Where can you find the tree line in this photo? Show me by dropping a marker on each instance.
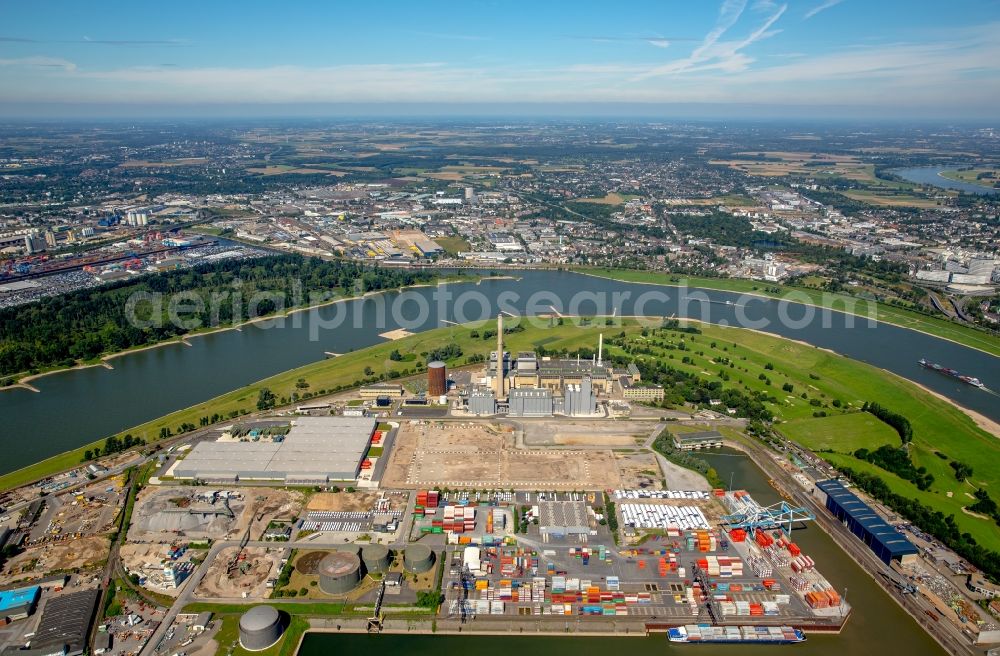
(61, 331)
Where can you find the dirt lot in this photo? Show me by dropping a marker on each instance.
(482, 455)
(639, 471)
(166, 514)
(39, 561)
(250, 576)
(358, 501)
(586, 433)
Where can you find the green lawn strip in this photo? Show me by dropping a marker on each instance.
(884, 313)
(845, 433)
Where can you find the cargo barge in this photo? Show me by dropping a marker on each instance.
(761, 635)
(968, 380)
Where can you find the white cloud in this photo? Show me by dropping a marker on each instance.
(39, 62)
(821, 7)
(715, 54)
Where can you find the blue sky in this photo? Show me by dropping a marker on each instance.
(912, 58)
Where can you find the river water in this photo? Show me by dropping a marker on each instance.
(877, 625)
(79, 406)
(931, 175)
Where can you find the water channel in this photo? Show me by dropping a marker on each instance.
(931, 175)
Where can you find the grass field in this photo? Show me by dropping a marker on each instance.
(840, 432)
(972, 176)
(453, 245)
(284, 169)
(884, 313)
(889, 199)
(143, 163)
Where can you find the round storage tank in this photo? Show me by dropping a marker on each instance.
(339, 572)
(437, 379)
(260, 627)
(376, 557)
(418, 558)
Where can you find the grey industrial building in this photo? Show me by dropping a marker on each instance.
(64, 626)
(575, 401)
(563, 519)
(316, 450)
(698, 440)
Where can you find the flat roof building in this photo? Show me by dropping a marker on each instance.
(698, 440)
(19, 603)
(884, 540)
(316, 450)
(65, 623)
(562, 519)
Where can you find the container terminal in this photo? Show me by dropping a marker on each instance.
(679, 559)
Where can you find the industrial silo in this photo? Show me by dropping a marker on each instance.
(260, 627)
(339, 572)
(376, 558)
(437, 379)
(418, 558)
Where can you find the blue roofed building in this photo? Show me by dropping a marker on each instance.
(884, 540)
(19, 603)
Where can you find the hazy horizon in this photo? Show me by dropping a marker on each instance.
(728, 59)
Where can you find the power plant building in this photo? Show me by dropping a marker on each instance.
(580, 400)
(530, 403)
(482, 402)
(315, 451)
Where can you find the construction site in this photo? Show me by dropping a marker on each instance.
(483, 455)
(66, 554)
(70, 533)
(170, 514)
(244, 573)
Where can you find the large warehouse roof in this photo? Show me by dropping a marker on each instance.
(862, 514)
(563, 517)
(327, 448)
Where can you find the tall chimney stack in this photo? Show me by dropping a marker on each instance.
(600, 348)
(501, 374)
